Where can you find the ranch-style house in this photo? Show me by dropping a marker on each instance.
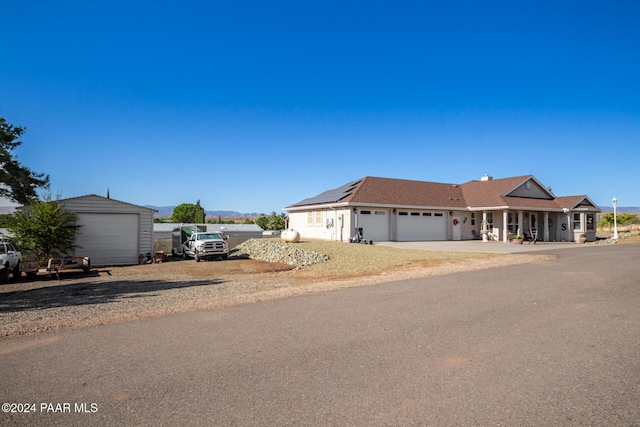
(386, 209)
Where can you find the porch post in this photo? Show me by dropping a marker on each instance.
(485, 227)
(505, 225)
(546, 226)
(520, 224)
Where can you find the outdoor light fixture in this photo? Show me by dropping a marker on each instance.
(615, 219)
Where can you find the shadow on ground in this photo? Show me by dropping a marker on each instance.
(84, 293)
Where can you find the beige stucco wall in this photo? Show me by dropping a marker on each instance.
(328, 228)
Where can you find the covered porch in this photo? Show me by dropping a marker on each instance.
(537, 225)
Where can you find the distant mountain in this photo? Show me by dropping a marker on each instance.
(168, 211)
(619, 209)
(230, 214)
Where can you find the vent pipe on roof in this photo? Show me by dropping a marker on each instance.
(486, 178)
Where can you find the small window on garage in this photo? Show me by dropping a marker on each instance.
(426, 214)
(403, 213)
(437, 214)
(318, 218)
(415, 213)
(381, 212)
(365, 212)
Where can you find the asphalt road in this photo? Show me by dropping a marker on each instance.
(554, 343)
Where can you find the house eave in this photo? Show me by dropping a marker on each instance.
(317, 206)
(373, 205)
(514, 208)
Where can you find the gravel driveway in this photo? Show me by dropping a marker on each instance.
(117, 294)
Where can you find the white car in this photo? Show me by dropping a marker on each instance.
(10, 259)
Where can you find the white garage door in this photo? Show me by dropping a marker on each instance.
(414, 226)
(108, 239)
(374, 224)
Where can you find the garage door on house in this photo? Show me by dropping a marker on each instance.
(108, 239)
(374, 224)
(415, 226)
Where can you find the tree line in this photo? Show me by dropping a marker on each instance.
(189, 213)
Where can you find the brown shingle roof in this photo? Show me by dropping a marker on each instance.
(403, 192)
(472, 194)
(490, 192)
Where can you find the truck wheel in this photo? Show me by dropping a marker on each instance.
(197, 257)
(225, 256)
(184, 254)
(16, 271)
(4, 274)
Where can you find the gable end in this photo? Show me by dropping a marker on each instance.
(530, 189)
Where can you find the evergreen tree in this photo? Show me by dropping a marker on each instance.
(17, 182)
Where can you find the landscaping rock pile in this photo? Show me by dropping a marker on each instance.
(621, 236)
(275, 251)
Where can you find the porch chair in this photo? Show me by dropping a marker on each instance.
(476, 235)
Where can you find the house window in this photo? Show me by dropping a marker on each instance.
(310, 218)
(318, 218)
(590, 222)
(576, 222)
(512, 224)
(473, 218)
(490, 217)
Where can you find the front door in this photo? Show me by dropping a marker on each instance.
(456, 228)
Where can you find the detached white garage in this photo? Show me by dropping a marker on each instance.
(111, 232)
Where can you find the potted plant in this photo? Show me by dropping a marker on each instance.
(518, 239)
(582, 238)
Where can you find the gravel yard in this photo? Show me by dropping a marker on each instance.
(124, 293)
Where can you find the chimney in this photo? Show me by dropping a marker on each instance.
(486, 178)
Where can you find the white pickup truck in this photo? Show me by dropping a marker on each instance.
(9, 261)
(205, 246)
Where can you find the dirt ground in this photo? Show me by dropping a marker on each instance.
(108, 295)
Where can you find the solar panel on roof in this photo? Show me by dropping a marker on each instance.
(330, 196)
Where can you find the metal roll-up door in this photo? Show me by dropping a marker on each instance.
(108, 239)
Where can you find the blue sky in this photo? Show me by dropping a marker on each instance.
(253, 106)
